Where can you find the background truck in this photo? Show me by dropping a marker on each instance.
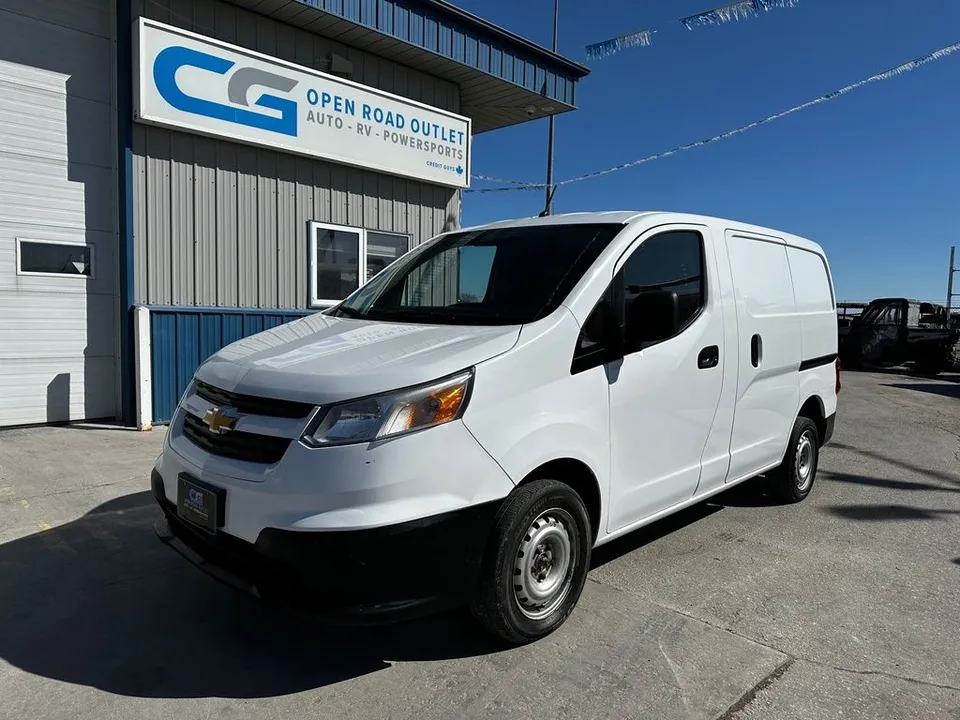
(895, 331)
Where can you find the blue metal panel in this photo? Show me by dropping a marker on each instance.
(188, 349)
(484, 56)
(385, 16)
(183, 337)
(453, 33)
(445, 39)
(351, 10)
(252, 324)
(401, 20)
(368, 12)
(211, 334)
(471, 50)
(163, 344)
(424, 30)
(127, 367)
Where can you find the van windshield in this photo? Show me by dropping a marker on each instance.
(502, 276)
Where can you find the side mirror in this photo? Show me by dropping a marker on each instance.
(610, 330)
(651, 316)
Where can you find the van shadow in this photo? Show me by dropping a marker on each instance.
(102, 602)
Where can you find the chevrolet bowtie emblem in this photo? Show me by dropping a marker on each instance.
(218, 421)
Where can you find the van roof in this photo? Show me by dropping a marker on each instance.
(629, 216)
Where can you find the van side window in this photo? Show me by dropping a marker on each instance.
(664, 267)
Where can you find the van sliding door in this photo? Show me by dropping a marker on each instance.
(768, 352)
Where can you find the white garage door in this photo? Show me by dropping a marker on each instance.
(57, 233)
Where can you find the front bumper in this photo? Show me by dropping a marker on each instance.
(374, 575)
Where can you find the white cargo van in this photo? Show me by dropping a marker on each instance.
(467, 426)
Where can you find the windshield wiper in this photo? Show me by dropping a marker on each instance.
(450, 315)
(349, 312)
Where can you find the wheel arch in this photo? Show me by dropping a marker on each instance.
(578, 475)
(813, 408)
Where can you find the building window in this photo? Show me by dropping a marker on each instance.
(342, 258)
(46, 257)
(383, 248)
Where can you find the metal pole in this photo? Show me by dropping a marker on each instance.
(953, 250)
(549, 189)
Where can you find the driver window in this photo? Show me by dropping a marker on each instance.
(890, 316)
(663, 284)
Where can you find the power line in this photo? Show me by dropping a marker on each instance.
(886, 75)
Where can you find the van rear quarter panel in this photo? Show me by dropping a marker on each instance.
(815, 304)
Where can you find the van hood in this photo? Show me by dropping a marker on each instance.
(322, 359)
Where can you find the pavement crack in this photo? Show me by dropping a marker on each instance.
(752, 693)
(673, 669)
(690, 616)
(881, 673)
(791, 656)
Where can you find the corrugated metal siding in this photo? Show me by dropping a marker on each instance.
(423, 26)
(182, 338)
(57, 334)
(218, 223)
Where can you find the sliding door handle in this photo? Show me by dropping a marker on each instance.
(756, 350)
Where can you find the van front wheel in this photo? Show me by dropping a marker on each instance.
(793, 480)
(536, 563)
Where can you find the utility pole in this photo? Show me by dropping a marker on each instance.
(548, 207)
(950, 293)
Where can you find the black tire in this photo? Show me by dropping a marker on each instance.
(498, 605)
(793, 480)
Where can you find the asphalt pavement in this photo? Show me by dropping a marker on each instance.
(847, 605)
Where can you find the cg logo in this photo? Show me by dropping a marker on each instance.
(171, 59)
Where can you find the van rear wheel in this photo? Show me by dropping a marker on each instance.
(792, 481)
(536, 562)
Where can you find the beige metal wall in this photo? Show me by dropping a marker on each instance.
(218, 223)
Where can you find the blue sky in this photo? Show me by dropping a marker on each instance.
(873, 176)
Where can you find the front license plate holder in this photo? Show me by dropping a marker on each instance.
(200, 503)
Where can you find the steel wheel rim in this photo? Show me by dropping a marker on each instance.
(805, 460)
(544, 564)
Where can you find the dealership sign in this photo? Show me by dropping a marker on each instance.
(194, 83)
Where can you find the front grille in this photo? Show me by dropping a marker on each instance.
(251, 405)
(251, 447)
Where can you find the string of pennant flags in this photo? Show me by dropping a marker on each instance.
(740, 10)
(514, 185)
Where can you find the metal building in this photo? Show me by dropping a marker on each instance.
(177, 174)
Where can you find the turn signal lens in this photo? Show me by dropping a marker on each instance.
(438, 407)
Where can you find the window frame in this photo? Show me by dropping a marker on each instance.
(614, 295)
(64, 243)
(313, 226)
(619, 278)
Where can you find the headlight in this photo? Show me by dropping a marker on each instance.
(390, 414)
